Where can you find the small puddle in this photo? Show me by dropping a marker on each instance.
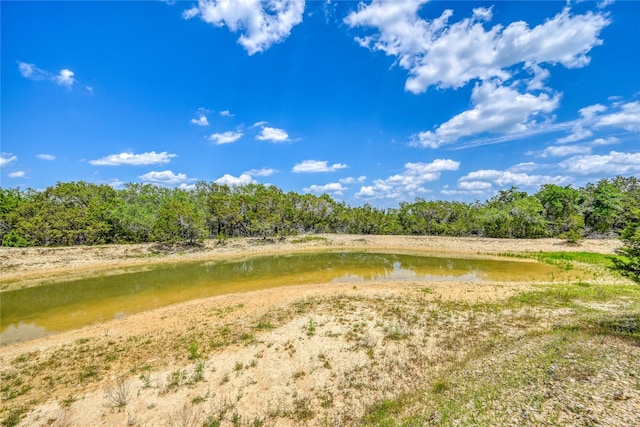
(33, 312)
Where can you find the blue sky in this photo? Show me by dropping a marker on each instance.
(371, 102)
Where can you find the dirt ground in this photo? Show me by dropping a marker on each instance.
(299, 356)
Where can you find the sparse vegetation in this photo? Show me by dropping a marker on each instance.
(194, 349)
(309, 238)
(118, 391)
(198, 372)
(311, 328)
(393, 355)
(186, 416)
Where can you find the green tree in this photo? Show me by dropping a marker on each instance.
(437, 218)
(512, 213)
(604, 208)
(10, 200)
(263, 210)
(368, 220)
(222, 210)
(630, 189)
(137, 211)
(316, 214)
(562, 211)
(180, 220)
(72, 213)
(629, 263)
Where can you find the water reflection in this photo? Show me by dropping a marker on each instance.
(32, 312)
(21, 332)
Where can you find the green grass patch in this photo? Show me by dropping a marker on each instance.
(384, 413)
(307, 239)
(13, 418)
(565, 259)
(584, 257)
(568, 295)
(624, 325)
(264, 325)
(89, 373)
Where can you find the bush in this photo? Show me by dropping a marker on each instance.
(14, 239)
(629, 262)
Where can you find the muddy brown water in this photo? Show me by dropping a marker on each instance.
(36, 311)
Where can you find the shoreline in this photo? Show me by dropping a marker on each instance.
(39, 266)
(28, 267)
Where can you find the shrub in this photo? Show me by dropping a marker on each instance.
(629, 262)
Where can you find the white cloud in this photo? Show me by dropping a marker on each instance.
(570, 150)
(523, 167)
(63, 78)
(410, 182)
(200, 121)
(577, 134)
(604, 3)
(261, 24)
(367, 191)
(226, 113)
(150, 158)
(6, 158)
(273, 135)
(591, 111)
(614, 163)
(605, 141)
(311, 166)
(190, 13)
(332, 188)
(231, 180)
(437, 53)
(497, 109)
(474, 185)
(187, 187)
(225, 137)
(509, 178)
(165, 177)
(483, 14)
(17, 174)
(46, 157)
(260, 172)
(539, 77)
(627, 118)
(595, 117)
(115, 183)
(30, 71)
(565, 150)
(352, 180)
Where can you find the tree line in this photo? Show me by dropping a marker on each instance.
(78, 213)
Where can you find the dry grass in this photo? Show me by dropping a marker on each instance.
(404, 358)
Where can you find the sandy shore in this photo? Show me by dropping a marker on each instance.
(286, 353)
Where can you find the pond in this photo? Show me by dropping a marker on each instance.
(32, 312)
